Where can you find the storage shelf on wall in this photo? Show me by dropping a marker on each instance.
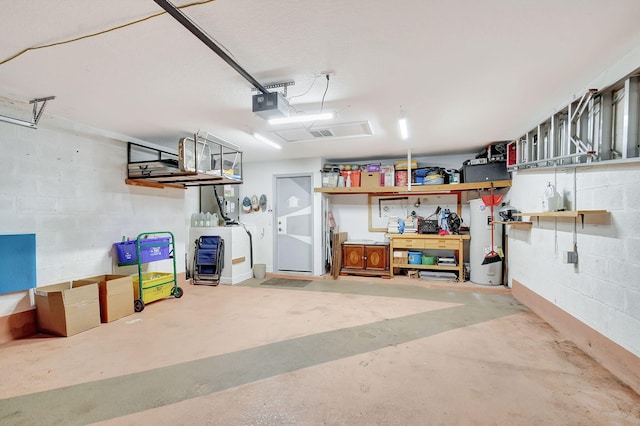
(202, 160)
(414, 188)
(563, 213)
(515, 223)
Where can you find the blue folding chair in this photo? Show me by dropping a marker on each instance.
(208, 260)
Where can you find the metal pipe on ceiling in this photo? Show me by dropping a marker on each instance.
(206, 39)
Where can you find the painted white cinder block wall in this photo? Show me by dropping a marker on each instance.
(65, 183)
(603, 289)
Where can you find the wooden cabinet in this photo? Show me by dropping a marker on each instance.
(365, 259)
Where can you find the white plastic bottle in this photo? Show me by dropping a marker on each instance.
(207, 219)
(194, 219)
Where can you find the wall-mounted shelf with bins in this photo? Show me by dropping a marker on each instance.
(470, 186)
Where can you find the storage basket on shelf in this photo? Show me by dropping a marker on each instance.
(427, 226)
(428, 260)
(415, 257)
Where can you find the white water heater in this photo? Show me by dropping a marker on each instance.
(480, 231)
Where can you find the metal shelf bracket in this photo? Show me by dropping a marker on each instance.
(37, 114)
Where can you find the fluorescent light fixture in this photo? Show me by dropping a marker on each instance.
(404, 131)
(302, 118)
(266, 141)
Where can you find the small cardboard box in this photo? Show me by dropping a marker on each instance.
(370, 179)
(400, 257)
(116, 295)
(65, 310)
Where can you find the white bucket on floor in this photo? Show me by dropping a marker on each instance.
(259, 270)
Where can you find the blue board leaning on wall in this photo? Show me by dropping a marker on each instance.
(17, 262)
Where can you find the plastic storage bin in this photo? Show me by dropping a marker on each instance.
(155, 286)
(151, 249)
(428, 260)
(415, 257)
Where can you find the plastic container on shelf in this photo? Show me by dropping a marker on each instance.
(428, 260)
(415, 257)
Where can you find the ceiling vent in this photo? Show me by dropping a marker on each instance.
(330, 131)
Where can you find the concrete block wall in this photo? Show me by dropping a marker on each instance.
(603, 289)
(65, 183)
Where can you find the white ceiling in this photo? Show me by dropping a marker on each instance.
(466, 72)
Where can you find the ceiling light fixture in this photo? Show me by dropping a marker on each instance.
(404, 130)
(266, 140)
(302, 118)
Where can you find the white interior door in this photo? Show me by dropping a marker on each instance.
(294, 223)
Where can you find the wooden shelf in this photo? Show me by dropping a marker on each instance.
(563, 213)
(421, 266)
(515, 223)
(137, 182)
(414, 188)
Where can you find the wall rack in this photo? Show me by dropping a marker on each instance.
(202, 160)
(602, 125)
(514, 223)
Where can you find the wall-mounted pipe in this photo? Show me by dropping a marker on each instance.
(193, 28)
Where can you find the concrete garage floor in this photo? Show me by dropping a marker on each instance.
(346, 352)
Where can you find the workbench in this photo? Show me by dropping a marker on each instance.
(420, 242)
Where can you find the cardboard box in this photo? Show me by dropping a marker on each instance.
(115, 294)
(65, 310)
(370, 179)
(400, 257)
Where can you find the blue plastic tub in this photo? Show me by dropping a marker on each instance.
(415, 257)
